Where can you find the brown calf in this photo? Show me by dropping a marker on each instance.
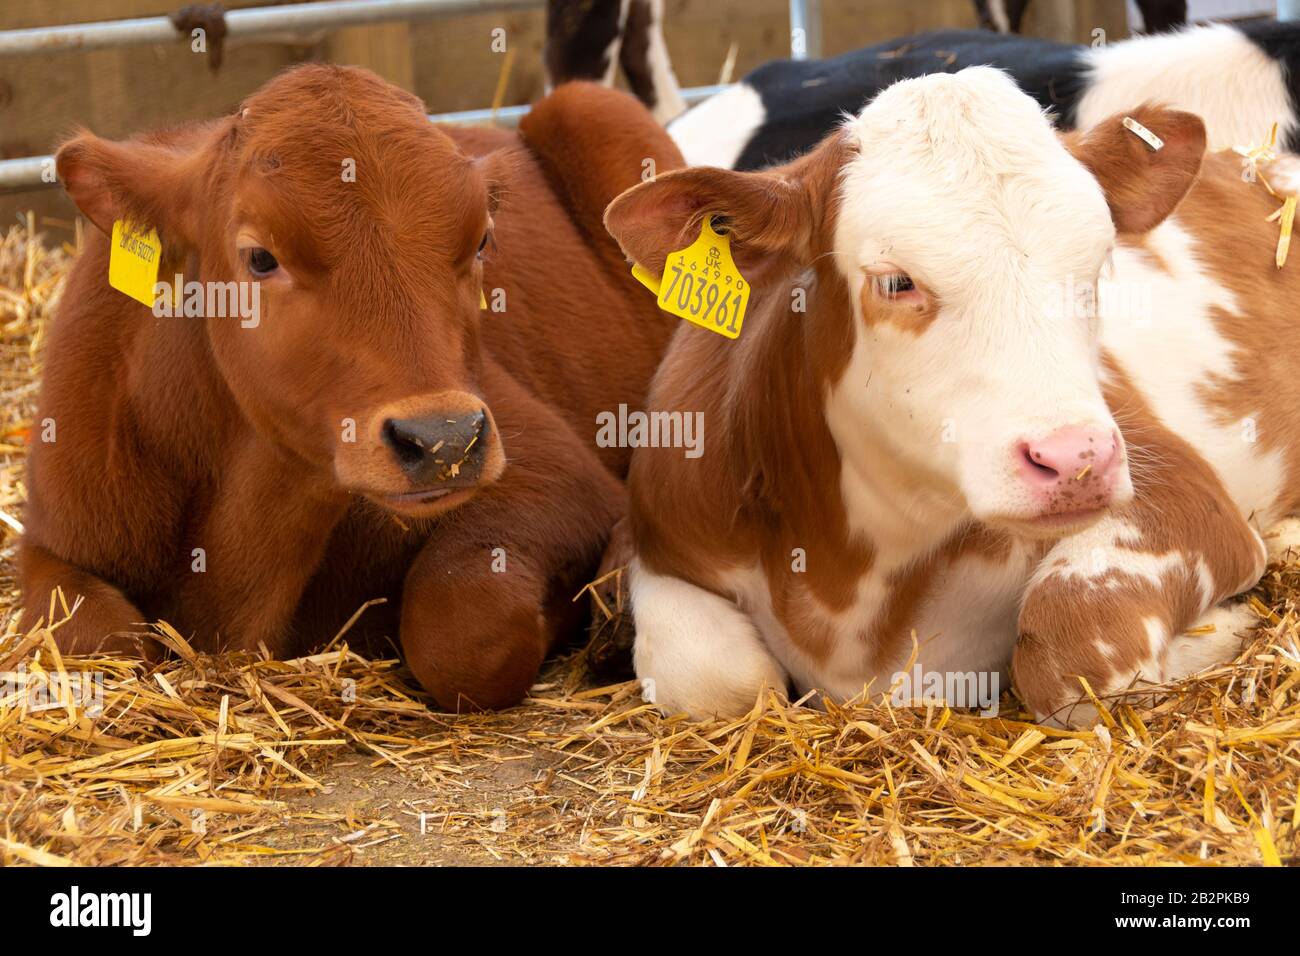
(372, 432)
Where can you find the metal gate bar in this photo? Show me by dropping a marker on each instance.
(254, 21)
(36, 171)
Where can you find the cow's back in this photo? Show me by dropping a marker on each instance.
(785, 107)
(1203, 324)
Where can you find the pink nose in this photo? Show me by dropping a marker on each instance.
(1072, 469)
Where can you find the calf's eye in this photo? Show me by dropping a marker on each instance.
(260, 262)
(483, 244)
(893, 285)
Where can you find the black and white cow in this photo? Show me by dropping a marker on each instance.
(1240, 78)
(591, 39)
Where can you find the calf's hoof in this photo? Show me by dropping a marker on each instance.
(609, 653)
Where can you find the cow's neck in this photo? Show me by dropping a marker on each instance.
(236, 486)
(176, 397)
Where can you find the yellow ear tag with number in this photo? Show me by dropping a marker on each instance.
(701, 283)
(133, 262)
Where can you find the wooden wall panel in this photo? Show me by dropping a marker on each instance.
(448, 62)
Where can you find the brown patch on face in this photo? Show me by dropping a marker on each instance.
(908, 317)
(768, 480)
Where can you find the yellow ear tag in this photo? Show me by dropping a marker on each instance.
(133, 262)
(482, 299)
(645, 277)
(701, 283)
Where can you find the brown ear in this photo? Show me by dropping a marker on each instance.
(774, 213)
(144, 183)
(1143, 185)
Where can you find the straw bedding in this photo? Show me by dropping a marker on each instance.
(336, 759)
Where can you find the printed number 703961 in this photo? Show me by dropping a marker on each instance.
(705, 298)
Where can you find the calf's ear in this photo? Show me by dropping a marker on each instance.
(776, 213)
(1143, 184)
(146, 184)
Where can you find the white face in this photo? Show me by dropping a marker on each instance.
(968, 236)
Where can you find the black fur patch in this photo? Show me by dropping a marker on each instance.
(804, 100)
(1281, 41)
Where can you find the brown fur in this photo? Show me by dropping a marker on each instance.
(1181, 507)
(176, 434)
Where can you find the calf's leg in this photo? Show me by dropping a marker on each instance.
(104, 619)
(1114, 606)
(492, 589)
(697, 652)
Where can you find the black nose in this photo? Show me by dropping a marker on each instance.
(439, 448)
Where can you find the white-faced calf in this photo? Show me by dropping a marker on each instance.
(950, 452)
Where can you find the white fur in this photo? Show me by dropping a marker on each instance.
(696, 652)
(1283, 541)
(1284, 174)
(715, 132)
(1110, 549)
(1189, 653)
(975, 219)
(668, 95)
(967, 623)
(1213, 71)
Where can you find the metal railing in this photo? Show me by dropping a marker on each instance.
(36, 171)
(254, 21)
